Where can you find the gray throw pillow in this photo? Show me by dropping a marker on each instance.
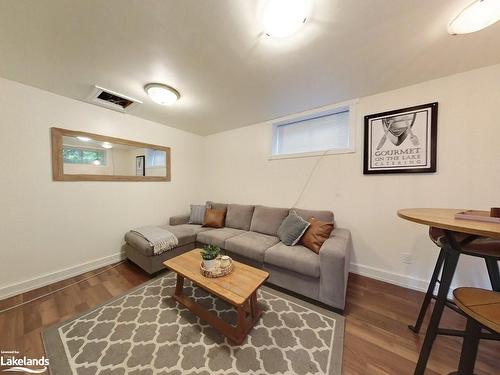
(197, 214)
(292, 228)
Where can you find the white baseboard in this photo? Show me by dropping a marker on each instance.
(405, 281)
(49, 278)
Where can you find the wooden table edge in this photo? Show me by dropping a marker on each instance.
(451, 227)
(422, 221)
(243, 300)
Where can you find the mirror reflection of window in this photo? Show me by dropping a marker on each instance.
(156, 162)
(87, 156)
(76, 155)
(155, 158)
(82, 155)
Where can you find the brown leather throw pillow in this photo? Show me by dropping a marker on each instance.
(214, 218)
(317, 233)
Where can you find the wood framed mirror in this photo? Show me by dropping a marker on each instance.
(81, 156)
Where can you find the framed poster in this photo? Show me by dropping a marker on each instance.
(140, 162)
(401, 141)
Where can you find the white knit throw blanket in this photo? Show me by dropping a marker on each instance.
(160, 239)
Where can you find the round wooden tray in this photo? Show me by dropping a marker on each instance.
(217, 271)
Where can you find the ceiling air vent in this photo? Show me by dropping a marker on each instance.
(111, 100)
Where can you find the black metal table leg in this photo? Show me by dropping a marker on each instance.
(469, 348)
(430, 292)
(449, 267)
(494, 273)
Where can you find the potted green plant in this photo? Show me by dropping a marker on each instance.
(209, 255)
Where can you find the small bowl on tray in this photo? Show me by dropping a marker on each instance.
(223, 267)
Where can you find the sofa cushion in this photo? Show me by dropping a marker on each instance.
(239, 216)
(217, 237)
(185, 233)
(317, 214)
(293, 258)
(267, 220)
(217, 206)
(251, 245)
(317, 233)
(214, 218)
(197, 215)
(292, 228)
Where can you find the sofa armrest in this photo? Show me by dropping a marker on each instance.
(335, 254)
(179, 219)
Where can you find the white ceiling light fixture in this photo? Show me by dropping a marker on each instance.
(107, 145)
(282, 18)
(83, 139)
(476, 16)
(96, 162)
(162, 94)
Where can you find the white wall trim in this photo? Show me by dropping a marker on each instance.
(10, 290)
(405, 281)
(49, 278)
(312, 154)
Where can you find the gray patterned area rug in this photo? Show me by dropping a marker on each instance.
(146, 332)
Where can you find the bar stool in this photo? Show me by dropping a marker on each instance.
(482, 309)
(481, 247)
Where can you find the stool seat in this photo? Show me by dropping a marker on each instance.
(485, 247)
(481, 305)
(481, 247)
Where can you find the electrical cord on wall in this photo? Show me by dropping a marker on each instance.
(309, 178)
(62, 288)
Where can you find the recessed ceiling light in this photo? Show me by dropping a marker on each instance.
(162, 94)
(83, 139)
(476, 16)
(107, 145)
(283, 18)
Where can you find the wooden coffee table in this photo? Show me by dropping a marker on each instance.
(239, 289)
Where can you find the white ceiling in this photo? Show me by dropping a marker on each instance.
(214, 53)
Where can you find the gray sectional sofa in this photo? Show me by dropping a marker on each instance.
(250, 236)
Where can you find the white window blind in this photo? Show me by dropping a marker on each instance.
(155, 158)
(328, 131)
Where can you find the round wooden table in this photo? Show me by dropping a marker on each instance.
(444, 218)
(457, 235)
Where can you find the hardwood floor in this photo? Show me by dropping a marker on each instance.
(377, 340)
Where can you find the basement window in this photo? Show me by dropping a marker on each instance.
(325, 132)
(77, 155)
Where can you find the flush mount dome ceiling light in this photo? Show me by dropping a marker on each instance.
(107, 145)
(162, 94)
(282, 18)
(476, 16)
(83, 139)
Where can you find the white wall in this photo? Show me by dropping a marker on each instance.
(48, 226)
(50, 230)
(237, 169)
